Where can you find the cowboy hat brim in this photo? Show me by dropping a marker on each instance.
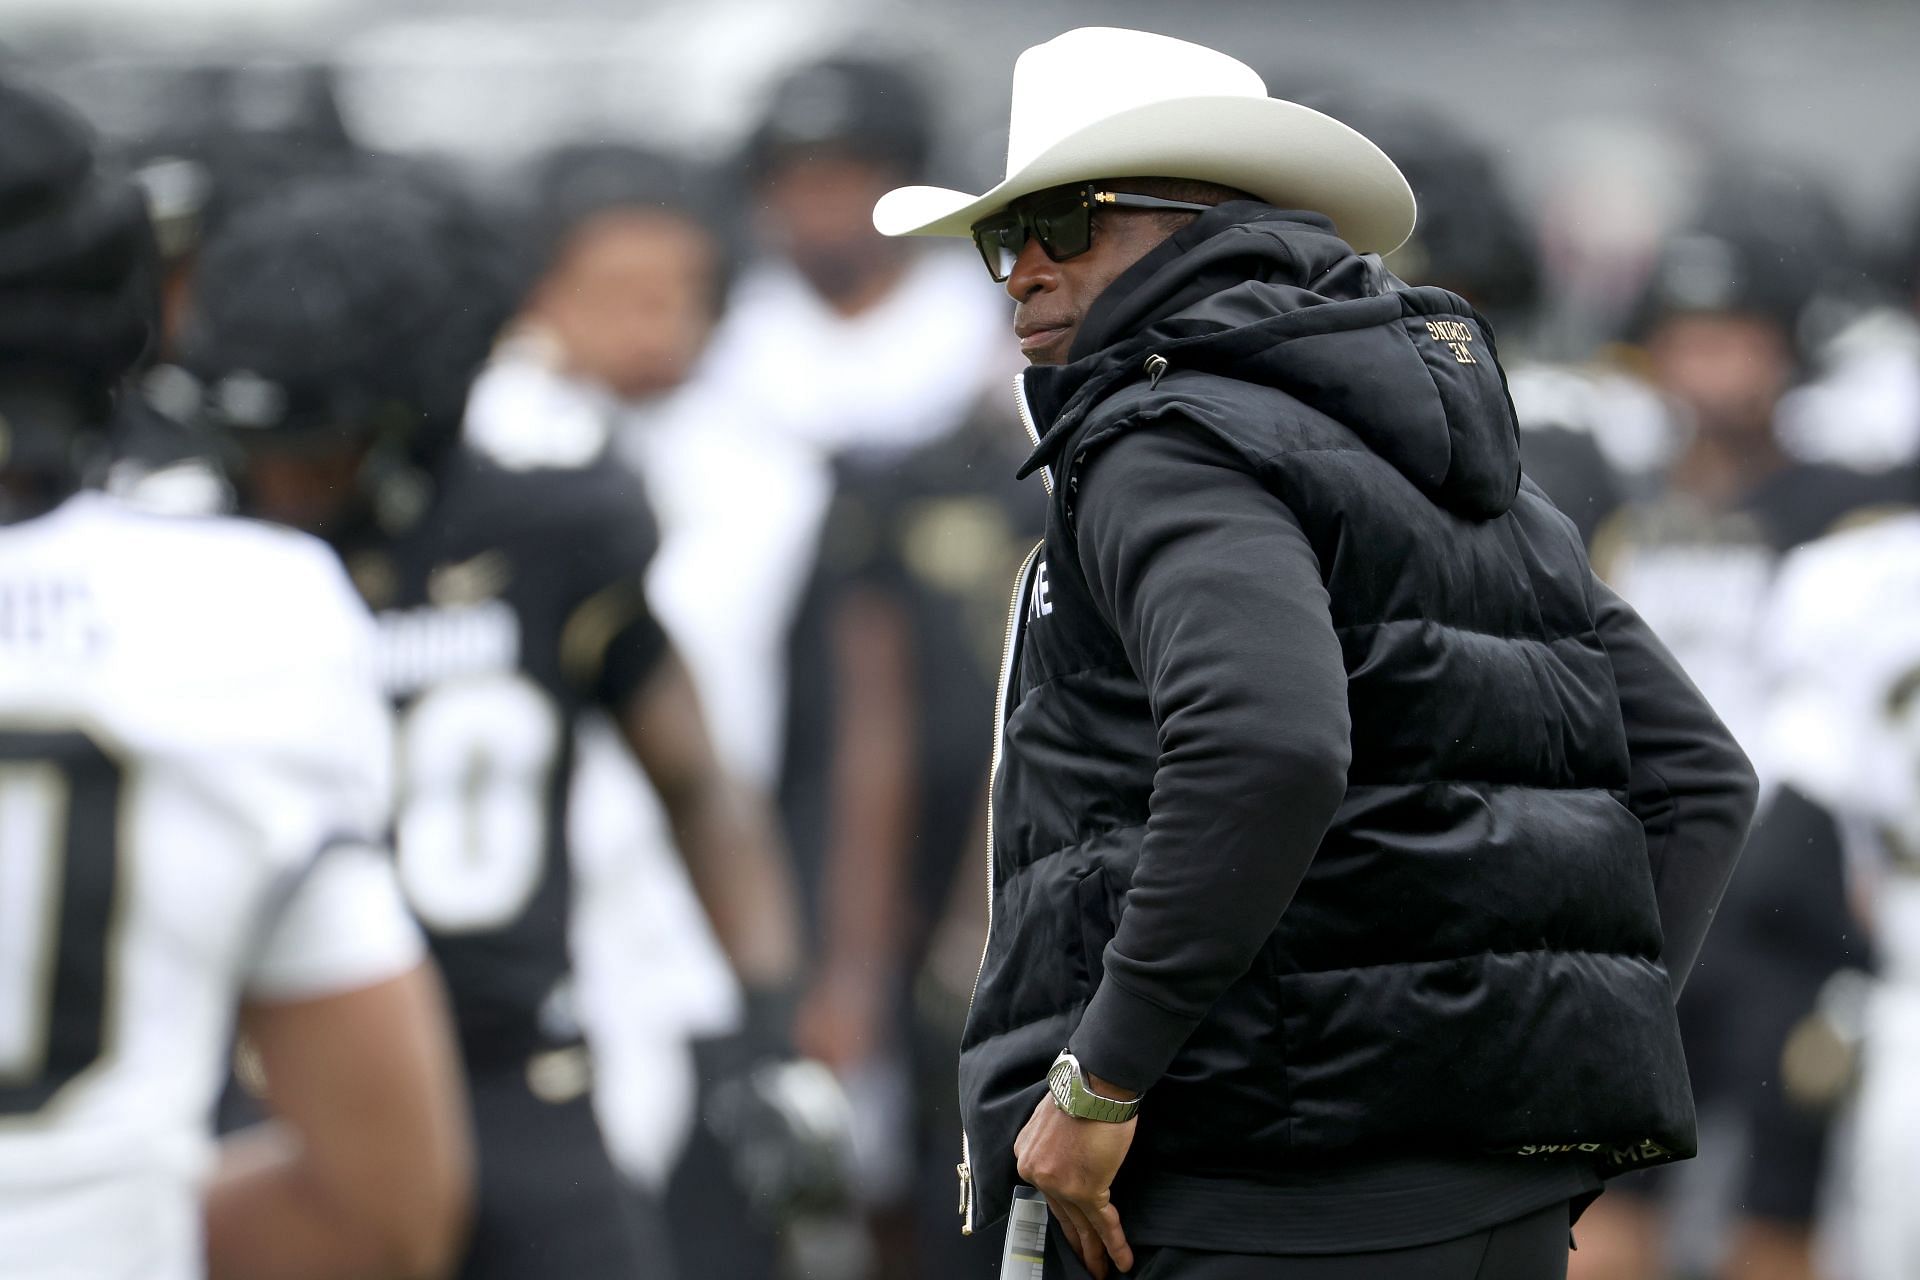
(1286, 154)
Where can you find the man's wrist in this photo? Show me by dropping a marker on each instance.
(1082, 1097)
(1108, 1089)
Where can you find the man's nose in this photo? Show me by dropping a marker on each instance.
(1033, 272)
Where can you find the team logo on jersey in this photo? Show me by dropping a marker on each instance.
(470, 581)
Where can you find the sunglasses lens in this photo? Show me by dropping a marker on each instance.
(1064, 230)
(1063, 226)
(1000, 242)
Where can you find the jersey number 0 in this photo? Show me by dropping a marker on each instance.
(476, 763)
(59, 878)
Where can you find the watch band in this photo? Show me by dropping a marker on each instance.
(1067, 1084)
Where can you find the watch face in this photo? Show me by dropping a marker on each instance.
(1060, 1084)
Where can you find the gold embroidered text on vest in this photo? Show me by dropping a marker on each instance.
(1456, 334)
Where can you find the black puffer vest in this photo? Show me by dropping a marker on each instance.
(1472, 964)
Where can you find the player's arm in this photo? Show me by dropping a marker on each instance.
(617, 653)
(873, 799)
(724, 830)
(365, 1169)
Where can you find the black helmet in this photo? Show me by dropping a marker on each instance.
(348, 308)
(195, 179)
(848, 105)
(363, 302)
(1472, 236)
(78, 305)
(1764, 242)
(202, 139)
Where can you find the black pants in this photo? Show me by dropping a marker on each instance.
(1530, 1248)
(714, 1232)
(550, 1202)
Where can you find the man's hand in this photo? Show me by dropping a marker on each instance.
(1072, 1163)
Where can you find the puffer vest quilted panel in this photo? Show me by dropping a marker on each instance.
(1472, 963)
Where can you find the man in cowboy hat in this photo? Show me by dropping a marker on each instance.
(1351, 841)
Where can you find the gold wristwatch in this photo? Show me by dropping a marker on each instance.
(1068, 1086)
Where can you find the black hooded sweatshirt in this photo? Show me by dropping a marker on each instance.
(1337, 806)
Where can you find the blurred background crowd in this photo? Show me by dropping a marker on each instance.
(1693, 225)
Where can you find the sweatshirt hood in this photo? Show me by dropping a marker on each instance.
(1272, 296)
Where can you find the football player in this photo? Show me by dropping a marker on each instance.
(335, 330)
(1719, 323)
(192, 773)
(1844, 637)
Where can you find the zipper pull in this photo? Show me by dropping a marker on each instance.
(966, 1197)
(1156, 367)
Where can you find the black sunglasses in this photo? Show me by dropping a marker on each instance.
(1061, 221)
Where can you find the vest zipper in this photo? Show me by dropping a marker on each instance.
(1026, 421)
(1020, 586)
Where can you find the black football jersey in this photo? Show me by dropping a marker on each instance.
(938, 532)
(513, 604)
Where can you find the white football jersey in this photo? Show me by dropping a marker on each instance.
(1844, 642)
(1845, 637)
(194, 762)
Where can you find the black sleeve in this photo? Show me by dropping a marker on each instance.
(632, 655)
(1217, 597)
(1689, 783)
(610, 642)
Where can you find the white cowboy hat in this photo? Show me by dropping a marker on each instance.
(1103, 102)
